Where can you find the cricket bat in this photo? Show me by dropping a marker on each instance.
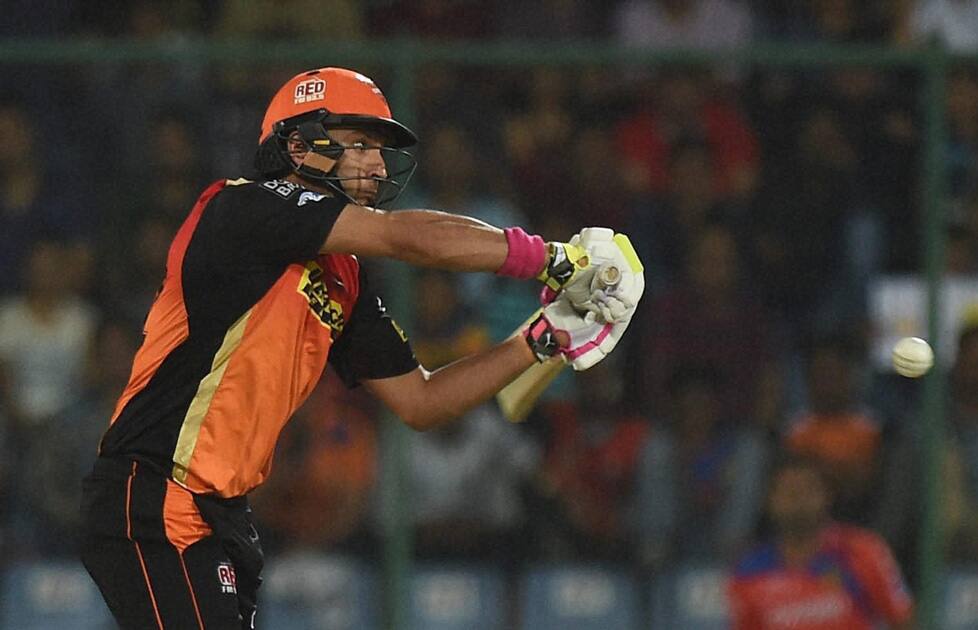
(517, 399)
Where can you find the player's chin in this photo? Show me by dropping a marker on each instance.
(366, 197)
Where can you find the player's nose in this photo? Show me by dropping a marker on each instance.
(375, 165)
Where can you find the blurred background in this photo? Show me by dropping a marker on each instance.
(799, 177)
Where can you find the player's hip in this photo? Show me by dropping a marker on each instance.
(130, 499)
(128, 503)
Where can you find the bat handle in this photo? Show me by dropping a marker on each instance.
(608, 276)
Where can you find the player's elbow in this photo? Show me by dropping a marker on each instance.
(422, 403)
(422, 418)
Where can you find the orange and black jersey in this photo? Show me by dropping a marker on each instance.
(240, 332)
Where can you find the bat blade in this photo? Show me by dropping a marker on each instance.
(517, 399)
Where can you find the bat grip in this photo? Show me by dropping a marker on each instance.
(608, 276)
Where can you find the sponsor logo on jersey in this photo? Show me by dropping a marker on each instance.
(328, 312)
(310, 90)
(308, 196)
(225, 575)
(282, 188)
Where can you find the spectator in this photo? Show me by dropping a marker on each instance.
(813, 572)
(960, 477)
(544, 125)
(278, 19)
(432, 19)
(712, 317)
(45, 337)
(664, 230)
(680, 106)
(700, 477)
(592, 446)
(474, 510)
(444, 332)
(61, 451)
(961, 250)
(143, 19)
(838, 432)
(179, 167)
(952, 23)
(453, 181)
(833, 21)
(131, 285)
(464, 481)
(320, 497)
(816, 239)
(32, 204)
(21, 18)
(560, 20)
(7, 468)
(962, 150)
(706, 24)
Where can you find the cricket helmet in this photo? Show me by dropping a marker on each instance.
(310, 104)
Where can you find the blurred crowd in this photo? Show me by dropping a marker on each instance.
(763, 201)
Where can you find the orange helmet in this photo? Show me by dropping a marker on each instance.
(328, 98)
(348, 97)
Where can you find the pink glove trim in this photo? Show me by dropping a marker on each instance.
(547, 295)
(534, 331)
(573, 353)
(526, 257)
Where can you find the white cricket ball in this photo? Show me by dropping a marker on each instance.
(912, 357)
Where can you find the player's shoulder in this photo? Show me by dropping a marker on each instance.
(262, 191)
(756, 562)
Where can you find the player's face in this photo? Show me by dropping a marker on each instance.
(799, 502)
(361, 164)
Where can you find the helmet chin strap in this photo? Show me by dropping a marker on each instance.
(317, 162)
(316, 169)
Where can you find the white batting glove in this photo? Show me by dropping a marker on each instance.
(587, 291)
(589, 341)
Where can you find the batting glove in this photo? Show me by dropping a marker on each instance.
(588, 340)
(565, 261)
(589, 293)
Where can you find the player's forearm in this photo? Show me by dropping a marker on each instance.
(457, 388)
(429, 238)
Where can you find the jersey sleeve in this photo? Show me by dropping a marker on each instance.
(273, 222)
(882, 579)
(371, 345)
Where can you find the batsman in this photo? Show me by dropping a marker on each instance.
(263, 287)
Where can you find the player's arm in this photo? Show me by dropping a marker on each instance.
(429, 238)
(425, 400)
(429, 399)
(426, 238)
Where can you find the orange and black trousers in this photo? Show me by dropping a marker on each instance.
(165, 558)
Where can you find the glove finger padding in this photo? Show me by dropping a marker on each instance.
(589, 341)
(603, 348)
(613, 304)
